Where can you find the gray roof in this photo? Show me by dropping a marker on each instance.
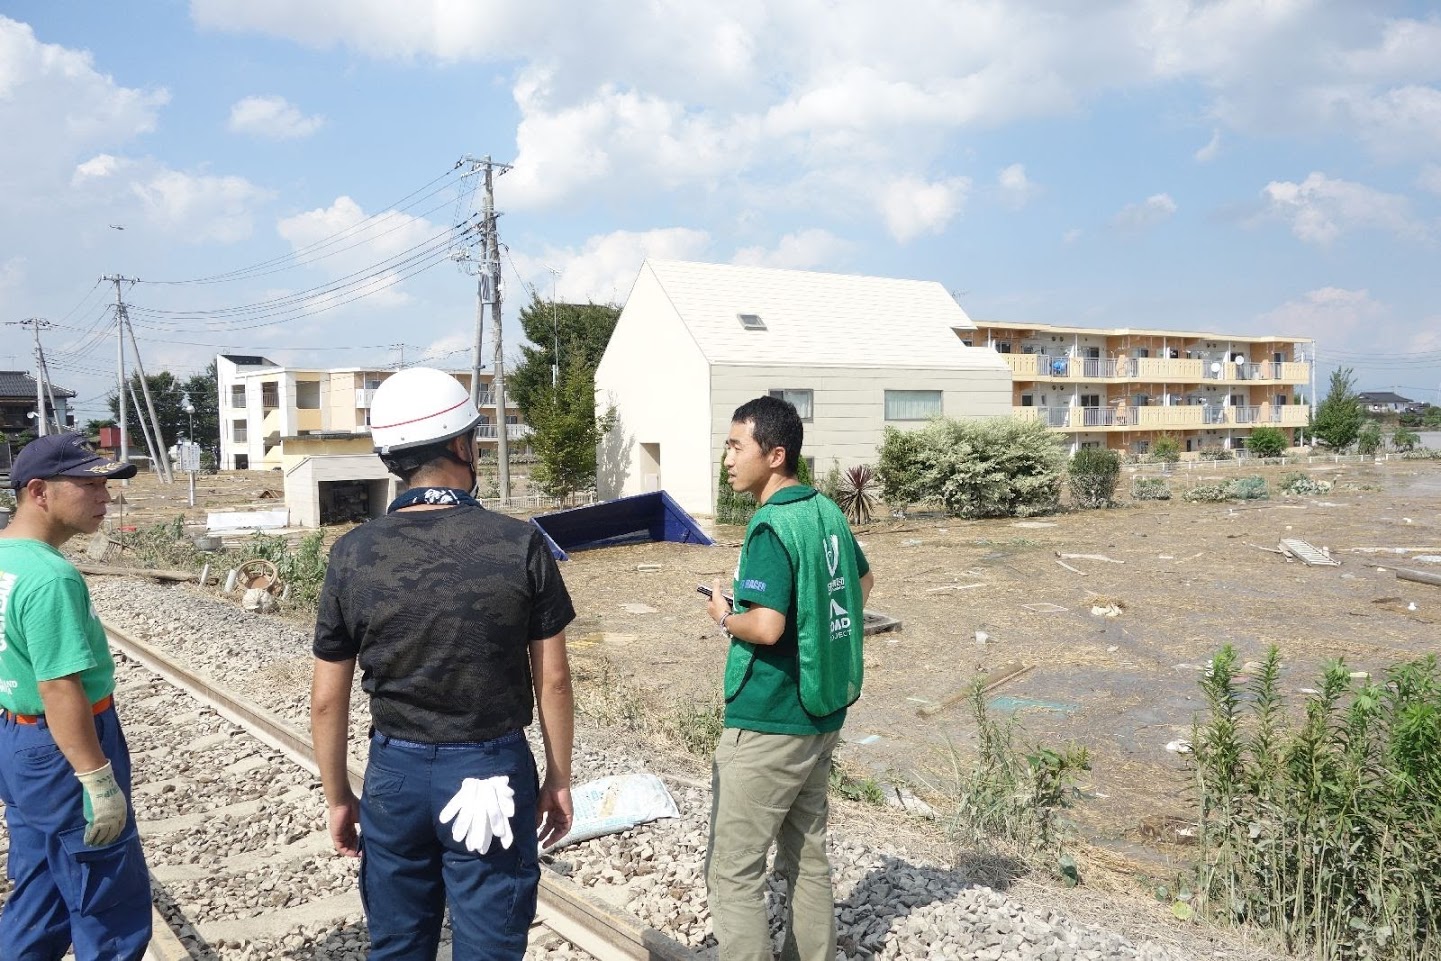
(248, 360)
(18, 383)
(1383, 397)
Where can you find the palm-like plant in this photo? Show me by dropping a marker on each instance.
(856, 494)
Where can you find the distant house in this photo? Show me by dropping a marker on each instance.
(17, 402)
(853, 354)
(1383, 401)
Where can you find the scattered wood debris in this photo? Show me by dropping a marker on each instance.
(1307, 554)
(1004, 675)
(1089, 557)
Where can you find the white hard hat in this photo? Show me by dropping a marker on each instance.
(419, 406)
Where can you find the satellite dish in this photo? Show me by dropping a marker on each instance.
(1240, 358)
(1216, 367)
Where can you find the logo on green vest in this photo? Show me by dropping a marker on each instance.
(840, 619)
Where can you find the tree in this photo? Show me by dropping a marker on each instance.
(1267, 442)
(583, 331)
(1339, 416)
(1405, 440)
(567, 431)
(1368, 440)
(168, 393)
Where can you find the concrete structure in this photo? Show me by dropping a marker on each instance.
(855, 354)
(334, 479)
(261, 402)
(1123, 388)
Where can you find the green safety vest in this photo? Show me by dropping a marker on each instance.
(830, 617)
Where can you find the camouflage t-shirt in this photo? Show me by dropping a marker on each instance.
(439, 608)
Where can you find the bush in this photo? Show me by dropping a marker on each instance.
(1302, 483)
(1326, 828)
(1405, 440)
(830, 485)
(1166, 450)
(1150, 489)
(301, 568)
(734, 508)
(1207, 493)
(1247, 488)
(1267, 442)
(1368, 441)
(1215, 453)
(1094, 473)
(1001, 467)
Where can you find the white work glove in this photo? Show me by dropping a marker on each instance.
(481, 811)
(105, 812)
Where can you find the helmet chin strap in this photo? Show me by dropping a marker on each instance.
(469, 465)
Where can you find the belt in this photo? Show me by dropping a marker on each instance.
(99, 707)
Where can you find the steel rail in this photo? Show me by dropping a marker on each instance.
(595, 927)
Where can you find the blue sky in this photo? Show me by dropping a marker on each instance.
(1257, 166)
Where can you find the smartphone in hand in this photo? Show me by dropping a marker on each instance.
(703, 589)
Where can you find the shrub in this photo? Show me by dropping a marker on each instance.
(1001, 467)
(1326, 828)
(1247, 488)
(1368, 441)
(1405, 440)
(830, 485)
(301, 568)
(1150, 489)
(1215, 453)
(1302, 483)
(1267, 442)
(856, 496)
(1207, 493)
(1093, 473)
(730, 506)
(1166, 450)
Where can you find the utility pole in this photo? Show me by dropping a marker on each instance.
(164, 458)
(555, 327)
(124, 452)
(41, 428)
(487, 290)
(122, 318)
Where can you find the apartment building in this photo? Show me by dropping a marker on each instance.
(262, 402)
(1123, 388)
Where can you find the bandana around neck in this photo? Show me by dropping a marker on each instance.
(438, 496)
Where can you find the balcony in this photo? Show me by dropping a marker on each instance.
(512, 431)
(1165, 370)
(1176, 417)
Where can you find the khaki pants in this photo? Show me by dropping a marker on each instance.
(764, 788)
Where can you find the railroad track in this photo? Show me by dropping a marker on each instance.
(229, 807)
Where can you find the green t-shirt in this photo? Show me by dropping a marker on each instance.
(769, 701)
(48, 628)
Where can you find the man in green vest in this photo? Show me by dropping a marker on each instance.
(793, 668)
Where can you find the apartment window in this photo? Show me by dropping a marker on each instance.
(802, 400)
(1003, 346)
(913, 404)
(269, 395)
(1090, 400)
(237, 395)
(238, 433)
(968, 343)
(1143, 352)
(1090, 444)
(307, 395)
(1028, 400)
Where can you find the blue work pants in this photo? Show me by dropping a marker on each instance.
(411, 867)
(63, 890)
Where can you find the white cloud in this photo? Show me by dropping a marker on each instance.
(605, 266)
(1211, 150)
(12, 273)
(1071, 236)
(272, 117)
(1016, 188)
(804, 250)
(1332, 315)
(911, 206)
(370, 252)
(1151, 212)
(55, 106)
(1320, 209)
(191, 207)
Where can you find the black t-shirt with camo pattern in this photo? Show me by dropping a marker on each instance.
(439, 608)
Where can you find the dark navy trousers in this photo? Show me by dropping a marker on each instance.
(411, 868)
(62, 890)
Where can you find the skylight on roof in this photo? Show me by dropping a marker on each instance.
(751, 321)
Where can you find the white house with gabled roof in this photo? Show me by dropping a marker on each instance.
(854, 354)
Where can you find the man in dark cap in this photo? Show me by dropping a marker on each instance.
(77, 872)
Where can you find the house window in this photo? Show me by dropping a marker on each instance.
(751, 321)
(913, 404)
(307, 395)
(802, 400)
(237, 395)
(1003, 346)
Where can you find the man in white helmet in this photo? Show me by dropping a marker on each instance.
(457, 618)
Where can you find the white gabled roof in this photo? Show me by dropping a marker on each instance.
(819, 320)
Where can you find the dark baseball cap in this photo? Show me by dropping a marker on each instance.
(63, 455)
